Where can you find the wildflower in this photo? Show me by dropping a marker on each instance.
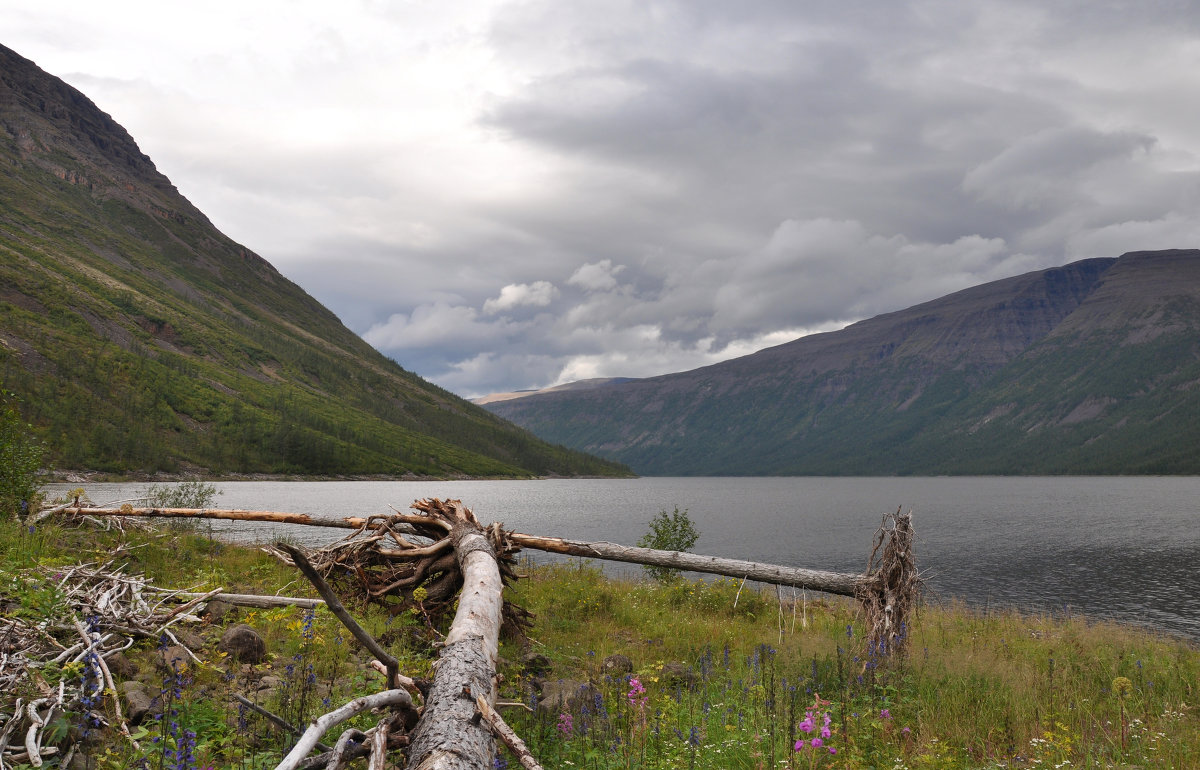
(637, 693)
(885, 714)
(566, 723)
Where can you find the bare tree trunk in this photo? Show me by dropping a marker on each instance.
(232, 514)
(840, 583)
(256, 600)
(448, 736)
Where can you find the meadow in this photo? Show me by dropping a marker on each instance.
(648, 674)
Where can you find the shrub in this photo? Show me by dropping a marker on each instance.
(20, 461)
(669, 532)
(188, 494)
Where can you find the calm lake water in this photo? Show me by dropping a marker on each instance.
(1123, 548)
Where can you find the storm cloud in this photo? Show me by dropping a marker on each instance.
(514, 195)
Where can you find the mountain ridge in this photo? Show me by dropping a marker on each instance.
(138, 337)
(896, 393)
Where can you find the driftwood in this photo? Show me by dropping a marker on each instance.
(451, 732)
(890, 590)
(448, 736)
(118, 607)
(506, 735)
(232, 514)
(255, 600)
(427, 559)
(840, 583)
(308, 741)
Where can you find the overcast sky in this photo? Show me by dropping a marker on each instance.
(506, 195)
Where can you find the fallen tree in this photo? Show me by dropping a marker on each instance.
(428, 559)
(840, 583)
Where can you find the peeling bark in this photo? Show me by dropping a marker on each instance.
(448, 737)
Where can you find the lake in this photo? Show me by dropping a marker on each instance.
(1123, 548)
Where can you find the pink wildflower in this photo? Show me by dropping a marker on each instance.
(637, 693)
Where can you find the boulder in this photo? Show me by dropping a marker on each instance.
(243, 644)
(535, 664)
(679, 674)
(616, 665)
(216, 610)
(138, 700)
(571, 695)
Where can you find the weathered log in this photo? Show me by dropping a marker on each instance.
(257, 600)
(448, 737)
(319, 726)
(841, 583)
(231, 514)
(507, 735)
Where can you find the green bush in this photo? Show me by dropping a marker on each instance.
(20, 461)
(669, 532)
(187, 494)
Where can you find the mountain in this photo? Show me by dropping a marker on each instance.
(136, 336)
(1090, 368)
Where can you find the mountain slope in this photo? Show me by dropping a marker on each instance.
(1087, 368)
(137, 336)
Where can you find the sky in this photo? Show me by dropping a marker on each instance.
(511, 195)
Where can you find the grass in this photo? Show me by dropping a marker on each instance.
(726, 675)
(998, 690)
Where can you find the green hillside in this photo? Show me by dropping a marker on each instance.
(138, 337)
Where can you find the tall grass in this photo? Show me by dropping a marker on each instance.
(1002, 690)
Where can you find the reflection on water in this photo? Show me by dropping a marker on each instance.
(1120, 548)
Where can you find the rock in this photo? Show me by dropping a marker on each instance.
(566, 695)
(190, 639)
(121, 666)
(139, 702)
(174, 658)
(679, 674)
(617, 664)
(243, 644)
(270, 682)
(216, 610)
(535, 664)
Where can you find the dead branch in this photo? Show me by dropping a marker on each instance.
(335, 606)
(379, 746)
(506, 735)
(253, 600)
(274, 718)
(321, 725)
